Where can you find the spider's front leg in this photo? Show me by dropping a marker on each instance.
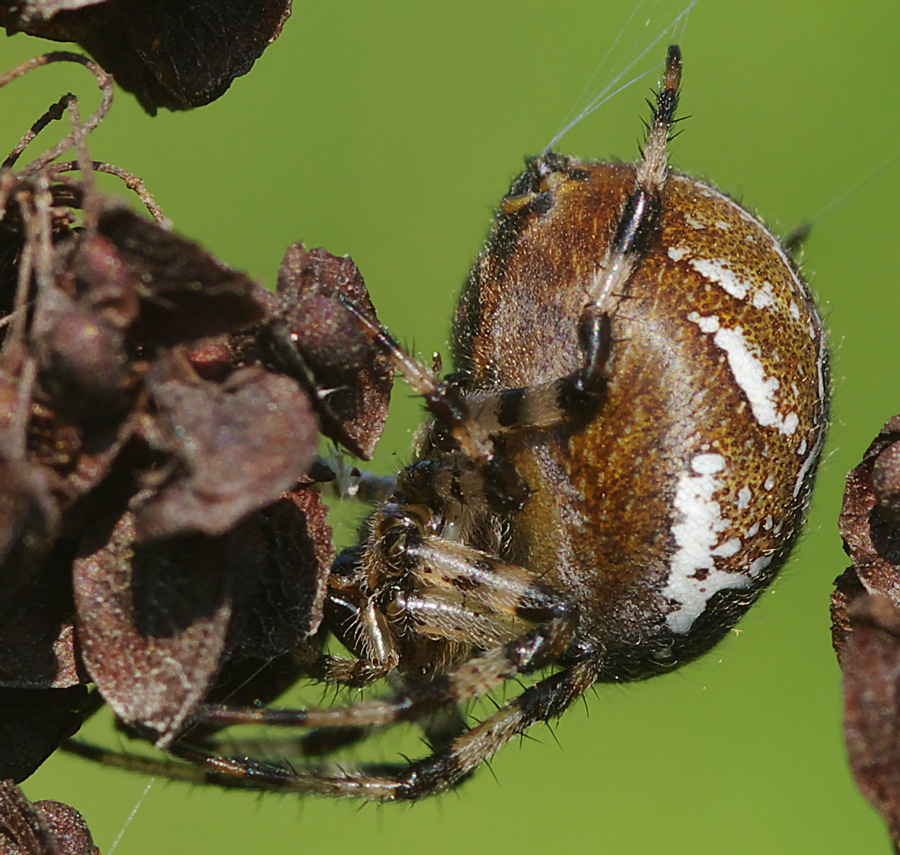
(411, 588)
(452, 594)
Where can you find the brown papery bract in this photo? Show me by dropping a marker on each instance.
(161, 537)
(866, 624)
(40, 828)
(169, 53)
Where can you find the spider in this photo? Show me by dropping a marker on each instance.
(619, 465)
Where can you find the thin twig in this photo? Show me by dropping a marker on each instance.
(131, 181)
(54, 113)
(104, 81)
(88, 177)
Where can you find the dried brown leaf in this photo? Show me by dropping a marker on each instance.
(176, 54)
(236, 447)
(41, 828)
(152, 623)
(314, 338)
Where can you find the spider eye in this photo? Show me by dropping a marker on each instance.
(397, 535)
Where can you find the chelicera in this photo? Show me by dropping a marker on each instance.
(619, 465)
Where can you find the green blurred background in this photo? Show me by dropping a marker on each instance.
(389, 131)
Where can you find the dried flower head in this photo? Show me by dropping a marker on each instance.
(161, 538)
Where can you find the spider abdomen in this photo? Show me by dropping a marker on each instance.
(666, 509)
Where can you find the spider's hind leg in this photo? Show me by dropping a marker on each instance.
(444, 769)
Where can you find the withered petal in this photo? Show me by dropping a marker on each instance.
(313, 338)
(238, 446)
(152, 622)
(177, 54)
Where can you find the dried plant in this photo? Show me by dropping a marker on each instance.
(169, 53)
(866, 624)
(161, 537)
(40, 828)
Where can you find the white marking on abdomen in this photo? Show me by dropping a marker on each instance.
(693, 576)
(764, 298)
(749, 374)
(718, 271)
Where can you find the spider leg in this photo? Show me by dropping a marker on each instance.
(570, 397)
(443, 726)
(443, 770)
(368, 782)
(505, 489)
(440, 728)
(796, 240)
(462, 594)
(485, 587)
(526, 654)
(636, 228)
(317, 743)
(546, 700)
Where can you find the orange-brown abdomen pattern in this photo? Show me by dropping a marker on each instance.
(666, 510)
